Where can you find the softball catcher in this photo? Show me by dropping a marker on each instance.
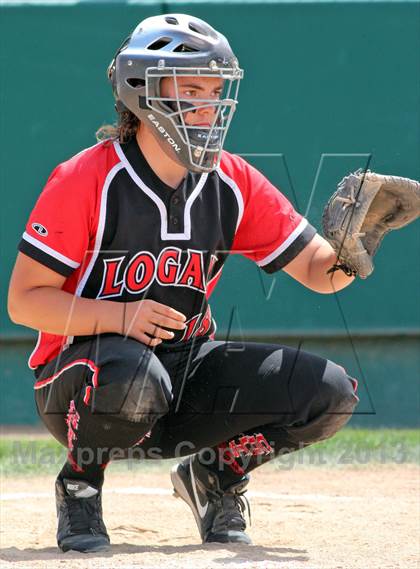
(115, 268)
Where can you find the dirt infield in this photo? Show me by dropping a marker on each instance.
(301, 519)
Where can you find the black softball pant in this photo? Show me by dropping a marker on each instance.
(115, 395)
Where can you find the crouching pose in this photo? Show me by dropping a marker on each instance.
(115, 268)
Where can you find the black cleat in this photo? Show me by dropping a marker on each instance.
(218, 513)
(79, 513)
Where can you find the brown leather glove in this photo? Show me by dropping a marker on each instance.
(363, 209)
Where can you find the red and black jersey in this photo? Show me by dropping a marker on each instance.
(108, 224)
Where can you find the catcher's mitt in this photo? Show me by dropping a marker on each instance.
(362, 210)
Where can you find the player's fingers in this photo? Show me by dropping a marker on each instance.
(166, 322)
(157, 332)
(165, 310)
(151, 342)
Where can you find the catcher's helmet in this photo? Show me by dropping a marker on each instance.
(177, 45)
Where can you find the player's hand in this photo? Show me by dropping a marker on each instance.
(151, 322)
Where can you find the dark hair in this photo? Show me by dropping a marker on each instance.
(124, 129)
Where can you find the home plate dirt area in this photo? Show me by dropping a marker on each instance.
(311, 518)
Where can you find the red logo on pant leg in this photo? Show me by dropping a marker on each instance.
(250, 445)
(263, 444)
(226, 456)
(73, 463)
(247, 445)
(72, 421)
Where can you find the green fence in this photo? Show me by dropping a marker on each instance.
(328, 87)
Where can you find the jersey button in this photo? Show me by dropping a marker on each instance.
(175, 200)
(174, 220)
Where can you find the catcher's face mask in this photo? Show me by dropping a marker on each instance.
(174, 47)
(197, 105)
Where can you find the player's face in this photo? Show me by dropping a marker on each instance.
(195, 88)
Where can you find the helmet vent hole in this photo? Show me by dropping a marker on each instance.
(182, 48)
(171, 20)
(159, 44)
(136, 83)
(197, 29)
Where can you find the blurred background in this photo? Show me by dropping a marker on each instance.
(329, 87)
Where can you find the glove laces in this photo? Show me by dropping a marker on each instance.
(348, 202)
(339, 266)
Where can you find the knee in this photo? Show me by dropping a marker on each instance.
(338, 396)
(330, 410)
(338, 390)
(134, 388)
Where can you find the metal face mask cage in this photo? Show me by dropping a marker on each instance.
(204, 144)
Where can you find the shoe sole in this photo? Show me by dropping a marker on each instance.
(97, 549)
(180, 491)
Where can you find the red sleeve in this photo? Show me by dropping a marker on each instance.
(59, 226)
(270, 231)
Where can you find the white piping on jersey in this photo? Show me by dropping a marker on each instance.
(98, 238)
(213, 278)
(238, 194)
(39, 245)
(164, 234)
(292, 237)
(34, 350)
(90, 365)
(101, 227)
(59, 257)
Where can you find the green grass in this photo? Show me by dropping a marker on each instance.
(358, 448)
(350, 447)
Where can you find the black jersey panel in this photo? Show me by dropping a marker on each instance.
(44, 258)
(142, 256)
